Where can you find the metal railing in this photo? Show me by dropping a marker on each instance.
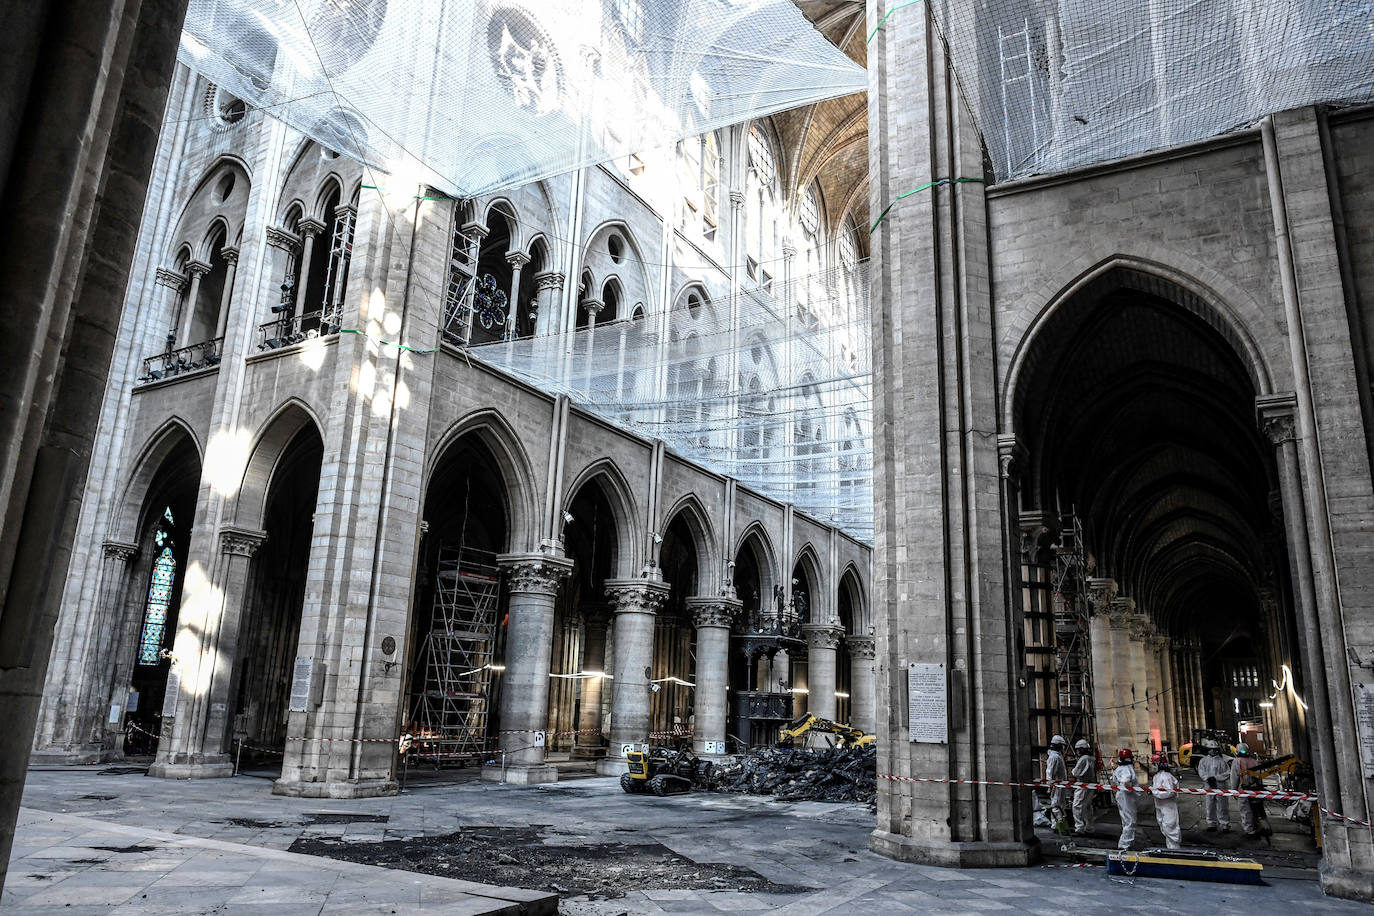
(179, 360)
(283, 332)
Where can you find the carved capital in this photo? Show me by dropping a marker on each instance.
(240, 542)
(789, 251)
(862, 648)
(713, 612)
(549, 279)
(343, 210)
(1121, 610)
(197, 269)
(115, 550)
(1158, 641)
(536, 574)
(737, 199)
(1101, 594)
(230, 255)
(593, 306)
(636, 596)
(822, 636)
(1276, 417)
(1011, 456)
(286, 241)
(476, 231)
(517, 259)
(310, 227)
(1142, 627)
(171, 279)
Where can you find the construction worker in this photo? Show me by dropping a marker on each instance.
(1124, 778)
(1084, 770)
(1215, 772)
(1165, 790)
(1241, 765)
(1057, 771)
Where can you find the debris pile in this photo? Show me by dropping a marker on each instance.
(831, 774)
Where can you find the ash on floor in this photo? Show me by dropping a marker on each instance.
(524, 857)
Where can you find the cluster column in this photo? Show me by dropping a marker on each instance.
(532, 583)
(862, 696)
(1101, 593)
(1122, 717)
(712, 618)
(1141, 630)
(635, 602)
(822, 640)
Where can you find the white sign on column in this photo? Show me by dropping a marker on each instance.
(927, 703)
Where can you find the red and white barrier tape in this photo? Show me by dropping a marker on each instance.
(1101, 787)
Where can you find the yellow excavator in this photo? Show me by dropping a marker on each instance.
(795, 734)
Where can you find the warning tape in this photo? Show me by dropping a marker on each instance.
(1101, 787)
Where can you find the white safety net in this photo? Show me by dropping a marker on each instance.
(473, 96)
(1059, 85)
(756, 387)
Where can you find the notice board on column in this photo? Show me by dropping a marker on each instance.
(927, 703)
(300, 683)
(1364, 714)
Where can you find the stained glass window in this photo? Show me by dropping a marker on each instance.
(159, 598)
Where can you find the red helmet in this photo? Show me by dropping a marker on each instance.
(1125, 754)
(1159, 759)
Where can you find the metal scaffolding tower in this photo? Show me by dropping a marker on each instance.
(1073, 644)
(449, 713)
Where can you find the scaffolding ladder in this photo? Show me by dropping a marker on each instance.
(449, 713)
(1073, 642)
(462, 285)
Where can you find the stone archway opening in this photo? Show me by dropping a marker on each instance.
(672, 703)
(1156, 599)
(270, 630)
(579, 692)
(457, 636)
(142, 658)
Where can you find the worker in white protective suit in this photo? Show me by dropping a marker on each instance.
(1215, 772)
(1124, 778)
(1057, 771)
(1165, 790)
(1084, 770)
(1241, 765)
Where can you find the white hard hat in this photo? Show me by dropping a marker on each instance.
(1082, 745)
(1057, 739)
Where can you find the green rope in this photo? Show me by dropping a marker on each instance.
(386, 343)
(925, 187)
(885, 18)
(373, 187)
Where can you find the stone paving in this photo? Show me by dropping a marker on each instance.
(203, 830)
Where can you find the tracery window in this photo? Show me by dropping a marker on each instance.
(848, 255)
(809, 212)
(631, 13)
(761, 156)
(159, 597)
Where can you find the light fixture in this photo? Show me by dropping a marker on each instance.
(658, 538)
(1266, 705)
(567, 517)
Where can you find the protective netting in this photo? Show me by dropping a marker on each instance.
(472, 96)
(1055, 86)
(756, 387)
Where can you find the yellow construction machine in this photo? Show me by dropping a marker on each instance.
(795, 734)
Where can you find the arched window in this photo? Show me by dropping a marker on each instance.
(159, 598)
(761, 157)
(700, 159)
(809, 211)
(848, 254)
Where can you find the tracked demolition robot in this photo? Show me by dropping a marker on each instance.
(664, 771)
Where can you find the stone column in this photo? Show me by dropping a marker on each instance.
(1141, 629)
(594, 623)
(1101, 593)
(517, 261)
(176, 283)
(712, 617)
(231, 260)
(593, 307)
(1122, 722)
(635, 603)
(532, 584)
(862, 700)
(822, 641)
(548, 287)
(199, 745)
(1155, 646)
(1167, 697)
(195, 270)
(310, 230)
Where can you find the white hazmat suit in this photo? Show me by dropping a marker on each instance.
(1084, 770)
(1124, 778)
(1240, 767)
(1057, 771)
(1215, 772)
(1165, 790)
